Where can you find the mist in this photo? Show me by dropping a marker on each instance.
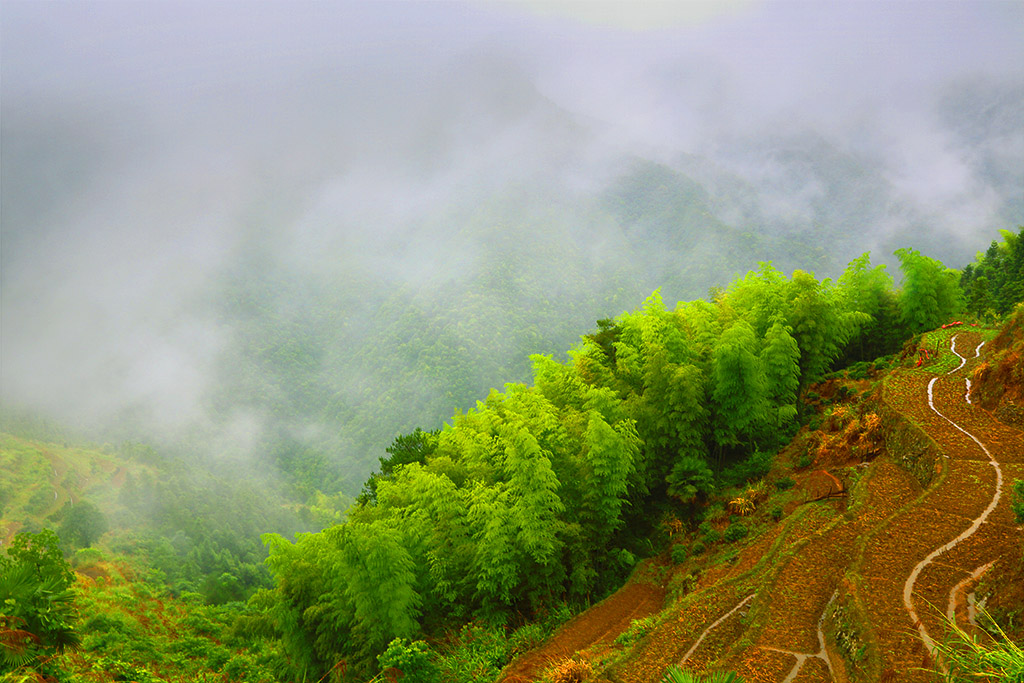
(265, 228)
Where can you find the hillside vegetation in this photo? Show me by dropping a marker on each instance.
(708, 455)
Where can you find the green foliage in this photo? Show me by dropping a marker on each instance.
(751, 468)
(994, 657)
(780, 359)
(994, 283)
(404, 450)
(785, 483)
(690, 477)
(637, 629)
(478, 655)
(37, 610)
(680, 553)
(81, 524)
(124, 671)
(869, 291)
(931, 293)
(822, 323)
(1018, 500)
(413, 659)
(735, 531)
(740, 385)
(676, 675)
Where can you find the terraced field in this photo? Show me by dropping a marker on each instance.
(856, 594)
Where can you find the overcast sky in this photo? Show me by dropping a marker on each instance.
(140, 139)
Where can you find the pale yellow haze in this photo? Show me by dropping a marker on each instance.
(636, 15)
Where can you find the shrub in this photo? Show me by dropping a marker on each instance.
(712, 536)
(785, 484)
(638, 628)
(776, 513)
(414, 659)
(754, 467)
(86, 557)
(479, 654)
(679, 553)
(526, 638)
(736, 531)
(859, 370)
(624, 558)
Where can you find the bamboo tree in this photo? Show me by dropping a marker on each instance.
(739, 386)
(780, 361)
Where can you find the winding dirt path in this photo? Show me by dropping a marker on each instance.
(914, 561)
(714, 625)
(908, 587)
(803, 657)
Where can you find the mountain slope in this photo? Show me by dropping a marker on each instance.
(855, 586)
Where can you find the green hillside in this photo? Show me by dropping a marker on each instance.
(675, 463)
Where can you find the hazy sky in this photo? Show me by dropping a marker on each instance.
(143, 141)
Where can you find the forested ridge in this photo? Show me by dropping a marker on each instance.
(476, 537)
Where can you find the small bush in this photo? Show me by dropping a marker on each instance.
(624, 558)
(859, 370)
(776, 513)
(679, 553)
(478, 656)
(785, 484)
(753, 467)
(712, 536)
(736, 531)
(86, 557)
(676, 675)
(414, 659)
(804, 462)
(714, 512)
(526, 638)
(697, 548)
(638, 628)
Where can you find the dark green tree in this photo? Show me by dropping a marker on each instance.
(82, 524)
